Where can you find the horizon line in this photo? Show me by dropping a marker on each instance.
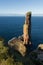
(20, 15)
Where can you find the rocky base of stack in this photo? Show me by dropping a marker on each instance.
(17, 44)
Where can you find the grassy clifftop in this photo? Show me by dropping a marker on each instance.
(8, 56)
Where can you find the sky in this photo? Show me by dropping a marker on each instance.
(11, 7)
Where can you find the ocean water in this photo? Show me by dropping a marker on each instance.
(13, 27)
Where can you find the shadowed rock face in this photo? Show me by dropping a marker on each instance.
(28, 16)
(19, 43)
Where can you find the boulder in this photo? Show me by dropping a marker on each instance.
(17, 44)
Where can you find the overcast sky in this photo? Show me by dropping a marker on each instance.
(21, 7)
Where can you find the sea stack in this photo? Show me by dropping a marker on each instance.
(21, 43)
(27, 28)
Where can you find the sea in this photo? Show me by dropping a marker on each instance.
(12, 26)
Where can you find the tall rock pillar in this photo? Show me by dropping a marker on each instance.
(27, 28)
